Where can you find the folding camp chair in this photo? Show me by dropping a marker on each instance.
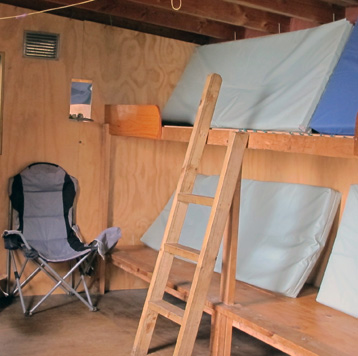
(42, 204)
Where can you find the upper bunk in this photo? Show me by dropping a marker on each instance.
(292, 92)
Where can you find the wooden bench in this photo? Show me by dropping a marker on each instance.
(297, 326)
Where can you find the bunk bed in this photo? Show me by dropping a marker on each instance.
(297, 326)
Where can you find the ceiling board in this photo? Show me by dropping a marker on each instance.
(198, 21)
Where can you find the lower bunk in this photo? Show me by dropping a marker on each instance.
(286, 233)
(297, 326)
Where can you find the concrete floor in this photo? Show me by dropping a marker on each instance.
(63, 326)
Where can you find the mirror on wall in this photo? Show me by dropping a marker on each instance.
(2, 70)
(81, 100)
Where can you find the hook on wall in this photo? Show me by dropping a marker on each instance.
(176, 8)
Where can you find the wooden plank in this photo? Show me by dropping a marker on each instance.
(2, 71)
(168, 310)
(182, 251)
(212, 239)
(233, 14)
(297, 326)
(164, 17)
(105, 173)
(174, 226)
(314, 145)
(311, 10)
(176, 133)
(140, 261)
(320, 145)
(134, 120)
(221, 336)
(195, 199)
(230, 245)
(356, 138)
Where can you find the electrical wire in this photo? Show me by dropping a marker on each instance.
(42, 11)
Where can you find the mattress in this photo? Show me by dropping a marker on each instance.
(339, 287)
(283, 229)
(269, 83)
(337, 110)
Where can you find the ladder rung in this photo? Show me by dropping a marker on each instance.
(182, 251)
(195, 199)
(168, 310)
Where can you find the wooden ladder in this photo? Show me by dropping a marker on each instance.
(190, 317)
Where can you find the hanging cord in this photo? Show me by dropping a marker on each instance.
(176, 8)
(42, 11)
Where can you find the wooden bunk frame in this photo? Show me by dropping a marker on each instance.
(297, 326)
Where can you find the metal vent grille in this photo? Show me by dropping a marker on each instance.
(41, 45)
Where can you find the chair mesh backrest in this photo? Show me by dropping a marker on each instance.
(43, 195)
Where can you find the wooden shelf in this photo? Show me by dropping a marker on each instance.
(297, 326)
(336, 146)
(145, 121)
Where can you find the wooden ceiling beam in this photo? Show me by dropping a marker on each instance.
(218, 10)
(160, 17)
(311, 10)
(344, 3)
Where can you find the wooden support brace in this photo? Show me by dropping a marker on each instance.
(105, 169)
(355, 148)
(230, 244)
(221, 339)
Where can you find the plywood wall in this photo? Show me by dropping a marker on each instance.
(145, 173)
(126, 67)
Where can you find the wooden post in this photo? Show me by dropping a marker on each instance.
(105, 174)
(230, 243)
(221, 335)
(355, 148)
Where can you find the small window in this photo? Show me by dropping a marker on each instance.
(41, 45)
(81, 100)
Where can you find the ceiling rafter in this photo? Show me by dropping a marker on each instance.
(156, 16)
(199, 21)
(311, 10)
(218, 10)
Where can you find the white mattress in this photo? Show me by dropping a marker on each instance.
(269, 83)
(283, 228)
(339, 287)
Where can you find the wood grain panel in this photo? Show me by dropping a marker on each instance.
(144, 175)
(125, 66)
(130, 67)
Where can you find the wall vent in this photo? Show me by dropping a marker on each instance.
(41, 45)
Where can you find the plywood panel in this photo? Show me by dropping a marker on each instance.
(36, 127)
(144, 175)
(336, 173)
(139, 68)
(146, 171)
(37, 99)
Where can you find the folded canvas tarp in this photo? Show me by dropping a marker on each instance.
(337, 110)
(339, 287)
(269, 83)
(283, 228)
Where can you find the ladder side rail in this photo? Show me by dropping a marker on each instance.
(177, 213)
(212, 239)
(230, 245)
(192, 158)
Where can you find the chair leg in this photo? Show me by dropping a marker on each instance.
(17, 279)
(8, 272)
(86, 290)
(62, 282)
